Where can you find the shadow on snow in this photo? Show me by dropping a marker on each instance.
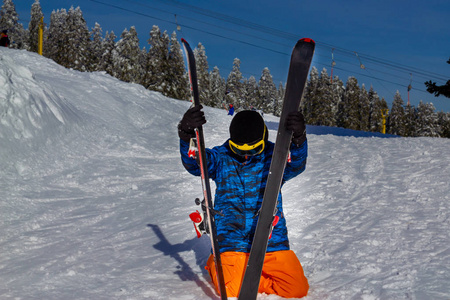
(184, 271)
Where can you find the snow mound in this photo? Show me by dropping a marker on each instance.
(28, 107)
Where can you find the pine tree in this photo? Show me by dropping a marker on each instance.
(157, 61)
(201, 61)
(308, 102)
(427, 121)
(397, 116)
(280, 97)
(250, 93)
(217, 88)
(267, 92)
(127, 57)
(444, 124)
(410, 121)
(106, 62)
(323, 101)
(364, 109)
(96, 48)
(33, 26)
(234, 84)
(338, 91)
(55, 45)
(9, 20)
(348, 114)
(77, 37)
(177, 79)
(438, 90)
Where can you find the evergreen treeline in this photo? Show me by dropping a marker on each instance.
(326, 101)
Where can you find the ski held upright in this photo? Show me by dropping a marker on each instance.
(204, 172)
(301, 58)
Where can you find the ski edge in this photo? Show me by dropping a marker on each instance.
(204, 172)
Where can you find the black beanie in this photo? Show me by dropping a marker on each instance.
(247, 127)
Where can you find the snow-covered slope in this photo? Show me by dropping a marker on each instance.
(94, 201)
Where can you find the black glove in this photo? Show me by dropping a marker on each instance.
(193, 118)
(296, 122)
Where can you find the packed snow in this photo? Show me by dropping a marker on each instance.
(94, 201)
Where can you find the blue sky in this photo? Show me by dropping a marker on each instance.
(398, 42)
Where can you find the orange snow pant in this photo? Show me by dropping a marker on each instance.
(282, 274)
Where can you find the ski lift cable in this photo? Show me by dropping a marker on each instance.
(196, 29)
(229, 19)
(286, 35)
(394, 65)
(193, 28)
(203, 22)
(398, 74)
(364, 68)
(379, 79)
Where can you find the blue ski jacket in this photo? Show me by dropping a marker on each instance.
(240, 190)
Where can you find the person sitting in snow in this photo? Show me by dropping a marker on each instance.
(240, 168)
(4, 40)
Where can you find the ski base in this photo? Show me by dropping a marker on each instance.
(298, 73)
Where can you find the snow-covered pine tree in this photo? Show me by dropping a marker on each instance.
(249, 88)
(338, 91)
(177, 79)
(323, 101)
(410, 121)
(55, 45)
(444, 124)
(142, 63)
(217, 88)
(348, 115)
(77, 38)
(280, 97)
(397, 116)
(9, 20)
(157, 61)
(308, 101)
(267, 92)
(106, 62)
(96, 47)
(427, 121)
(201, 62)
(364, 109)
(127, 57)
(33, 26)
(249, 92)
(234, 85)
(375, 111)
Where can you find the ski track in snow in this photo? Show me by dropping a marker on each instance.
(95, 202)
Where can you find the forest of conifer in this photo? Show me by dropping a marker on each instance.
(327, 101)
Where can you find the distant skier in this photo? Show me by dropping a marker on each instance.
(240, 169)
(4, 39)
(230, 109)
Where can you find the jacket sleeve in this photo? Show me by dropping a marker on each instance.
(298, 161)
(191, 165)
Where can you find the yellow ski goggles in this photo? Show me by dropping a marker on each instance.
(251, 149)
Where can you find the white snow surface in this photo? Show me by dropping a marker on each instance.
(94, 200)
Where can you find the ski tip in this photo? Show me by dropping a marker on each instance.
(308, 40)
(184, 41)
